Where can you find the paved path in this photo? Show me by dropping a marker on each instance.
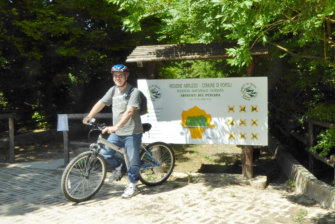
(30, 193)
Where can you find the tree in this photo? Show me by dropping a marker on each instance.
(51, 50)
(301, 28)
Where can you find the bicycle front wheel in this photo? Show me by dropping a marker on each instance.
(83, 176)
(157, 163)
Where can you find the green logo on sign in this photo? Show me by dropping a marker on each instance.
(197, 121)
(155, 92)
(249, 91)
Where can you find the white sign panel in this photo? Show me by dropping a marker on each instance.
(229, 111)
(62, 122)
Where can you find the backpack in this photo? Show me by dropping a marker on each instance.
(143, 100)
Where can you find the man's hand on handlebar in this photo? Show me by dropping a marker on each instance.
(102, 127)
(109, 129)
(86, 120)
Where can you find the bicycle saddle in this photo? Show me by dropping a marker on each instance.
(146, 127)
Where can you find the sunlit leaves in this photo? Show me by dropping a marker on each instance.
(50, 49)
(296, 23)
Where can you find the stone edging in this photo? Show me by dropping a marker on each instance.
(305, 182)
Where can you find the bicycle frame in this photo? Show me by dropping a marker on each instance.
(102, 141)
(153, 160)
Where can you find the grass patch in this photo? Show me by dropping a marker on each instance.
(300, 217)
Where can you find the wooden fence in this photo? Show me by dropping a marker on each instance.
(66, 134)
(286, 123)
(311, 143)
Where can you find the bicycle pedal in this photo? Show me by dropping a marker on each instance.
(116, 176)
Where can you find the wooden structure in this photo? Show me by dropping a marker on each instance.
(311, 143)
(178, 52)
(151, 55)
(10, 118)
(286, 123)
(66, 134)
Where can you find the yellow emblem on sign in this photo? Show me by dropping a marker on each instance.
(254, 108)
(243, 122)
(231, 109)
(254, 122)
(243, 109)
(231, 122)
(243, 136)
(196, 120)
(254, 136)
(231, 136)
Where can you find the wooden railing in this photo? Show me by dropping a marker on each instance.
(10, 118)
(66, 135)
(311, 143)
(307, 140)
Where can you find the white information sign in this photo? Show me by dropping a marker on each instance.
(229, 111)
(62, 122)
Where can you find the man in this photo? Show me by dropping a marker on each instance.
(126, 130)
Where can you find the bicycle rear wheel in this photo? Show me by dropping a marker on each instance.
(157, 163)
(83, 176)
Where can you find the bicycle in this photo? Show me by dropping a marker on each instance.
(85, 174)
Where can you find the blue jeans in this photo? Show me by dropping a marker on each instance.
(132, 145)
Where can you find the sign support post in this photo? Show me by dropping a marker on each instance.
(247, 151)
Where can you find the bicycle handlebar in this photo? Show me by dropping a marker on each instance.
(97, 126)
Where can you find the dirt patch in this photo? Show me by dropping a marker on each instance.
(206, 158)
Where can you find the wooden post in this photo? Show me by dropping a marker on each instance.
(247, 151)
(247, 162)
(10, 118)
(66, 141)
(152, 70)
(251, 68)
(66, 147)
(11, 139)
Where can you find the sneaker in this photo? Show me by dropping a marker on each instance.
(116, 175)
(129, 192)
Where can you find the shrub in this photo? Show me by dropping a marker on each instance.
(322, 112)
(325, 142)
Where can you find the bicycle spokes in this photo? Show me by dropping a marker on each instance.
(83, 177)
(157, 164)
(150, 161)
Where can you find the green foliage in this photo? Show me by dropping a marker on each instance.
(3, 102)
(40, 119)
(325, 142)
(291, 183)
(322, 112)
(300, 216)
(197, 69)
(50, 51)
(310, 88)
(291, 25)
